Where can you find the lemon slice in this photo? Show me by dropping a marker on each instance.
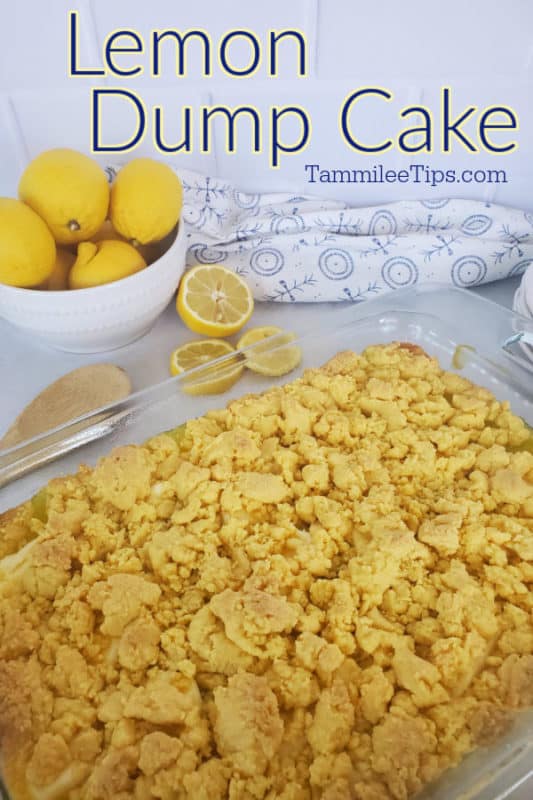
(272, 358)
(214, 301)
(212, 379)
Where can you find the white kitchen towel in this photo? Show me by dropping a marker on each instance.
(295, 248)
(523, 305)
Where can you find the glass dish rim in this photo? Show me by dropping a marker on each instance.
(516, 756)
(310, 333)
(74, 434)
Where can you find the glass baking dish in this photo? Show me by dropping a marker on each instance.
(440, 320)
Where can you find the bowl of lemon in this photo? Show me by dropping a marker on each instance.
(86, 266)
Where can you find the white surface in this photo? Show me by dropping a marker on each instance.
(118, 119)
(33, 43)
(484, 52)
(27, 366)
(451, 44)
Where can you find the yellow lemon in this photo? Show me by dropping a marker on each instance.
(69, 191)
(254, 335)
(213, 378)
(150, 252)
(104, 262)
(57, 281)
(214, 301)
(27, 248)
(146, 201)
(272, 357)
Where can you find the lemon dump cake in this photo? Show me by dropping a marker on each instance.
(318, 592)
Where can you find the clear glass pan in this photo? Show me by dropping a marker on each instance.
(438, 319)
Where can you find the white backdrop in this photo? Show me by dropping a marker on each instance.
(483, 49)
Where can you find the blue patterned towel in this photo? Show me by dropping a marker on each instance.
(300, 248)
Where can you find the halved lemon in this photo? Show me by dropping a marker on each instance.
(272, 358)
(212, 379)
(214, 301)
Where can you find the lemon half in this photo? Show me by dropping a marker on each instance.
(214, 301)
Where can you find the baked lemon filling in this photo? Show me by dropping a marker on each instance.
(319, 591)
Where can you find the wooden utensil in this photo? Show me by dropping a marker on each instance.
(76, 393)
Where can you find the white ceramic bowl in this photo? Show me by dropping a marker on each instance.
(103, 317)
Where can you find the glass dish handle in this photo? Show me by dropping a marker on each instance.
(48, 447)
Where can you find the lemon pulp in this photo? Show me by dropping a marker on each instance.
(213, 379)
(214, 301)
(273, 358)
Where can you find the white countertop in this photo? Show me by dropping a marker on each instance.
(28, 367)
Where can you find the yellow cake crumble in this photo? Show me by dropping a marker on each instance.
(317, 593)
